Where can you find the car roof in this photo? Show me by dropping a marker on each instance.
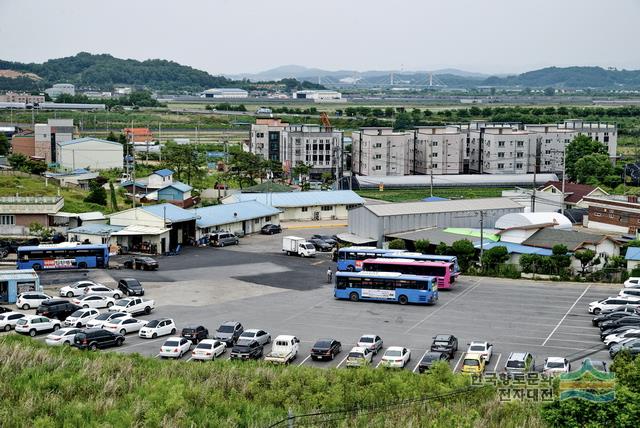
(368, 335)
(473, 355)
(251, 330)
(358, 349)
(443, 336)
(432, 354)
(284, 337)
(173, 338)
(518, 356)
(395, 348)
(234, 323)
(12, 313)
(555, 359)
(30, 316)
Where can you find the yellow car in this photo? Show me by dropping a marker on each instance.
(473, 364)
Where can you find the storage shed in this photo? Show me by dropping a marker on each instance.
(14, 282)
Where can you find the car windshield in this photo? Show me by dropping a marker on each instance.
(430, 358)
(225, 329)
(471, 362)
(555, 365)
(103, 317)
(441, 343)
(393, 354)
(476, 348)
(123, 302)
(188, 330)
(322, 345)
(515, 364)
(153, 323)
(247, 334)
(203, 346)
(366, 339)
(309, 246)
(356, 355)
(22, 321)
(170, 343)
(77, 313)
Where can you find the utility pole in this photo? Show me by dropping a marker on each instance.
(564, 173)
(431, 166)
(481, 236)
(533, 194)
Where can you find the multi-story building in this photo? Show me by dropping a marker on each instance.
(437, 150)
(614, 213)
(381, 151)
(13, 97)
(48, 135)
(314, 145)
(59, 89)
(502, 150)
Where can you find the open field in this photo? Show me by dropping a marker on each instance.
(410, 195)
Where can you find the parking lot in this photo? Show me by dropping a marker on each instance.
(257, 284)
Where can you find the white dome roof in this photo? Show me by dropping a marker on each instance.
(512, 220)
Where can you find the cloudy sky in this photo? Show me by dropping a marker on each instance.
(233, 36)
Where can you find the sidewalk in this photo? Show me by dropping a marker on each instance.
(313, 224)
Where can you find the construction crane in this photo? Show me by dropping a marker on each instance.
(324, 120)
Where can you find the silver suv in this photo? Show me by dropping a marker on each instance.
(220, 239)
(519, 362)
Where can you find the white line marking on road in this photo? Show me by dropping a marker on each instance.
(190, 358)
(566, 314)
(343, 360)
(418, 363)
(379, 362)
(157, 356)
(317, 263)
(458, 363)
(303, 361)
(464, 293)
(495, 368)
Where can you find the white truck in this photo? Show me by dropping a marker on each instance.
(298, 246)
(133, 306)
(285, 349)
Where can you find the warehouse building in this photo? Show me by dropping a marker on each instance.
(449, 181)
(241, 218)
(91, 153)
(377, 221)
(315, 205)
(225, 93)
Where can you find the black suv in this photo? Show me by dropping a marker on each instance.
(445, 343)
(57, 308)
(95, 338)
(246, 349)
(429, 359)
(131, 287)
(270, 229)
(325, 348)
(195, 333)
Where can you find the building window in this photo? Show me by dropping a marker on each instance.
(256, 221)
(547, 152)
(327, 208)
(377, 168)
(305, 209)
(434, 155)
(598, 214)
(7, 220)
(520, 144)
(519, 155)
(434, 144)
(500, 166)
(501, 154)
(547, 162)
(377, 157)
(500, 143)
(435, 165)
(518, 166)
(377, 145)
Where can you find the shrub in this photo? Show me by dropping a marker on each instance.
(397, 244)
(422, 245)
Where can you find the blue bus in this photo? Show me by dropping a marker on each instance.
(386, 287)
(66, 255)
(350, 258)
(428, 258)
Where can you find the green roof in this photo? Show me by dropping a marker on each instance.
(268, 187)
(472, 232)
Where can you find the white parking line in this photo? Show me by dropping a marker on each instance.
(343, 360)
(418, 363)
(495, 368)
(317, 263)
(439, 308)
(303, 361)
(566, 314)
(458, 362)
(157, 356)
(190, 358)
(144, 342)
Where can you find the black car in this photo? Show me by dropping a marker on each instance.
(131, 287)
(320, 244)
(325, 348)
(605, 333)
(144, 263)
(12, 246)
(3, 310)
(195, 333)
(610, 316)
(95, 338)
(57, 308)
(246, 350)
(270, 229)
(329, 239)
(445, 343)
(629, 320)
(430, 358)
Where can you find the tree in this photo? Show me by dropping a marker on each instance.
(585, 257)
(580, 147)
(246, 167)
(549, 91)
(560, 258)
(388, 112)
(112, 137)
(17, 161)
(114, 199)
(44, 233)
(422, 245)
(327, 178)
(188, 161)
(5, 145)
(493, 257)
(97, 194)
(594, 169)
(403, 121)
(301, 171)
(442, 249)
(397, 244)
(464, 250)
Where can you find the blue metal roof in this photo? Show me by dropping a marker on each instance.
(633, 253)
(516, 248)
(385, 275)
(216, 215)
(171, 212)
(86, 139)
(178, 185)
(163, 172)
(301, 199)
(96, 229)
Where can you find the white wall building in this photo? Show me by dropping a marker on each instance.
(381, 151)
(225, 93)
(437, 150)
(48, 135)
(59, 89)
(318, 95)
(91, 153)
(502, 150)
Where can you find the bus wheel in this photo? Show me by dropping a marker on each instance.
(36, 266)
(354, 297)
(82, 265)
(350, 268)
(403, 299)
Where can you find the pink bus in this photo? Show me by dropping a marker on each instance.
(442, 271)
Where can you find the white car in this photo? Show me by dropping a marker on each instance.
(485, 349)
(81, 317)
(34, 324)
(8, 320)
(92, 301)
(76, 289)
(105, 317)
(612, 339)
(31, 299)
(632, 282)
(124, 325)
(359, 356)
(101, 290)
(396, 356)
(63, 336)
(159, 327)
(370, 341)
(208, 349)
(630, 292)
(174, 347)
(556, 365)
(260, 336)
(611, 303)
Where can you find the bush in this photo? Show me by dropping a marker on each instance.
(422, 245)
(509, 271)
(397, 244)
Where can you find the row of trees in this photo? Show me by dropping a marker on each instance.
(136, 99)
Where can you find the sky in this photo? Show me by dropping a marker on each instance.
(246, 36)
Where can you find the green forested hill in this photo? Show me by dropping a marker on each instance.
(571, 77)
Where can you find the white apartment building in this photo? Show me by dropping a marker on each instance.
(379, 151)
(47, 136)
(502, 150)
(59, 89)
(438, 150)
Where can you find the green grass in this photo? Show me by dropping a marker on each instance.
(46, 387)
(409, 195)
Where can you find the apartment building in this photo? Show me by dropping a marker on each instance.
(13, 97)
(59, 89)
(502, 149)
(438, 150)
(379, 151)
(48, 135)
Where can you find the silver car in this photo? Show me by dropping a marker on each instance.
(260, 336)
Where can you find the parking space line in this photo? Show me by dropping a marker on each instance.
(343, 360)
(303, 361)
(439, 308)
(418, 363)
(458, 362)
(495, 367)
(317, 263)
(379, 362)
(566, 314)
(143, 342)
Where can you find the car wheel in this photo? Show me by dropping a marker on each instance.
(268, 340)
(82, 265)
(403, 299)
(78, 325)
(354, 296)
(116, 296)
(109, 304)
(123, 331)
(36, 266)
(147, 310)
(93, 347)
(597, 311)
(119, 341)
(7, 327)
(69, 294)
(173, 331)
(154, 335)
(66, 343)
(126, 292)
(86, 306)
(32, 332)
(26, 307)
